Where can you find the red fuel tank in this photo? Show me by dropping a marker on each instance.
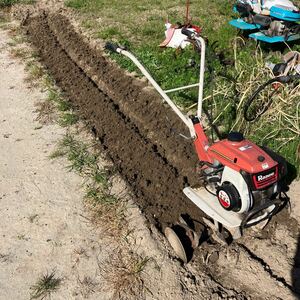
(241, 155)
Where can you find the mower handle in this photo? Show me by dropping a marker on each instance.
(187, 121)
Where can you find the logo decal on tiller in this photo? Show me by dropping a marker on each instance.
(264, 177)
(224, 199)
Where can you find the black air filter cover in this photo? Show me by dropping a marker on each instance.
(235, 137)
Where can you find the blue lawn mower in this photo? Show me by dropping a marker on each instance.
(270, 21)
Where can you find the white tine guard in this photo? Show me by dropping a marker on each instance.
(186, 120)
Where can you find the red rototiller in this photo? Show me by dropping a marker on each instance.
(241, 181)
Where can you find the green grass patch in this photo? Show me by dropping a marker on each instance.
(4, 3)
(68, 119)
(232, 65)
(98, 195)
(110, 33)
(84, 160)
(45, 286)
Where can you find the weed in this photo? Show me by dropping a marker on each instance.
(20, 53)
(123, 274)
(81, 251)
(100, 177)
(100, 196)
(63, 105)
(4, 3)
(5, 258)
(55, 97)
(81, 160)
(45, 112)
(57, 153)
(33, 217)
(88, 286)
(22, 237)
(36, 72)
(46, 285)
(47, 81)
(67, 118)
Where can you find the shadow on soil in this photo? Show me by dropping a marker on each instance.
(296, 271)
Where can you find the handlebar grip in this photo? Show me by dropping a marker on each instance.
(187, 32)
(111, 47)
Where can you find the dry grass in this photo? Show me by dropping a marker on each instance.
(46, 112)
(109, 218)
(35, 72)
(20, 52)
(279, 126)
(122, 273)
(87, 286)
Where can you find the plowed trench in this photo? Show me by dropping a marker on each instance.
(156, 183)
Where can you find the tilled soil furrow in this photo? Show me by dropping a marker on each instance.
(135, 99)
(155, 182)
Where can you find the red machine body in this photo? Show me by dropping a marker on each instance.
(240, 155)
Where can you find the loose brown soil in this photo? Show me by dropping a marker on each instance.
(141, 137)
(138, 131)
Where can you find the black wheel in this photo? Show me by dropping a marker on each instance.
(262, 98)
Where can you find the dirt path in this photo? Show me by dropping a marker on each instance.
(41, 223)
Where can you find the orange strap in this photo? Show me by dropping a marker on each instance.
(187, 16)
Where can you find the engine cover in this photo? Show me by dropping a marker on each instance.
(236, 192)
(240, 154)
(229, 197)
(233, 192)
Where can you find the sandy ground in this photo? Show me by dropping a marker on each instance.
(41, 223)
